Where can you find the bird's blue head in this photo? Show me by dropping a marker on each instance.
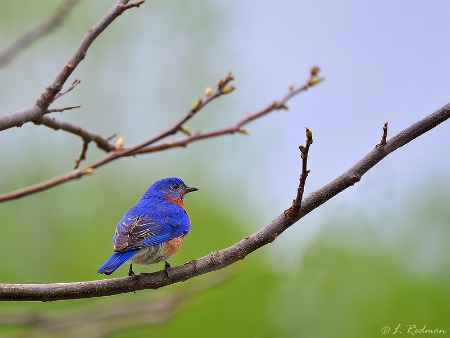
(171, 188)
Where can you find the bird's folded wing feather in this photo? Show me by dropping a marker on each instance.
(141, 231)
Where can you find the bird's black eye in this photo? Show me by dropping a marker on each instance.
(174, 186)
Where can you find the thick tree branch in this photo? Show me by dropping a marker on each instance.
(36, 112)
(223, 258)
(25, 40)
(101, 319)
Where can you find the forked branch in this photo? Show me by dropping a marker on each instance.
(155, 143)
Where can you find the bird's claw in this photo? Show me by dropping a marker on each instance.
(131, 272)
(166, 268)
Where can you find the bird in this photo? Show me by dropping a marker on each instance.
(153, 229)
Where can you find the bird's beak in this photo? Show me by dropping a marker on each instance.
(189, 189)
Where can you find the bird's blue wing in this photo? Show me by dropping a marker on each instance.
(134, 232)
(115, 261)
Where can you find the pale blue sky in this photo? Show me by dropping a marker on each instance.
(383, 60)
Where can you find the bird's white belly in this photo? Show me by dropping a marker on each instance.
(149, 255)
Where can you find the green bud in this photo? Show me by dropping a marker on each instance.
(197, 105)
(227, 89)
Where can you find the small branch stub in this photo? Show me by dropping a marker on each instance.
(292, 213)
(384, 137)
(134, 4)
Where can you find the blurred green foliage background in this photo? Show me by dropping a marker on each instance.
(351, 280)
(374, 257)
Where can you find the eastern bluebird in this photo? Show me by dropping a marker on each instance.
(153, 229)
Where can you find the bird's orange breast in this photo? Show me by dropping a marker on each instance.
(172, 246)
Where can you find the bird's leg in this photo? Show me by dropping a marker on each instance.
(131, 272)
(166, 268)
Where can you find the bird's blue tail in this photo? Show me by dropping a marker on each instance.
(116, 260)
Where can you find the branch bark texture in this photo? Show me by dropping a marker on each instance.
(225, 257)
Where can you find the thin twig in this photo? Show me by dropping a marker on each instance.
(60, 110)
(35, 33)
(294, 210)
(36, 112)
(223, 258)
(82, 156)
(68, 90)
(280, 104)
